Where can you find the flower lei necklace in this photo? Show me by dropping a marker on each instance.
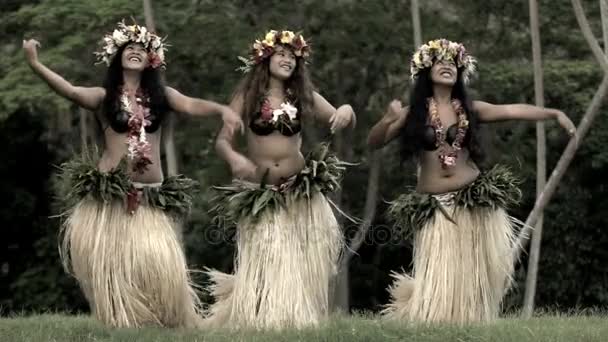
(286, 110)
(139, 149)
(448, 153)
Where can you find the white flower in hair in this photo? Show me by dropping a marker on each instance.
(119, 37)
(155, 43)
(111, 49)
(143, 35)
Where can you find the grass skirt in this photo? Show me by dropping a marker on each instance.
(130, 265)
(288, 246)
(462, 252)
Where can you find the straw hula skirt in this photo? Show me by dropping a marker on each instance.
(122, 242)
(463, 243)
(288, 246)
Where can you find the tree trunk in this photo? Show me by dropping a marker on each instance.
(541, 167)
(416, 23)
(169, 127)
(586, 121)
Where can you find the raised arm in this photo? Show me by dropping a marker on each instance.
(240, 165)
(335, 118)
(389, 126)
(199, 107)
(491, 113)
(87, 97)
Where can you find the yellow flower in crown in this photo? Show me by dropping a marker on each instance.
(262, 49)
(287, 37)
(270, 38)
(434, 44)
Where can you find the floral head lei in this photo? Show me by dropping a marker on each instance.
(442, 50)
(124, 34)
(264, 48)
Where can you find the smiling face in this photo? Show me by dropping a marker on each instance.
(444, 72)
(282, 63)
(134, 57)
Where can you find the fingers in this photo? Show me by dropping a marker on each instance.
(333, 122)
(340, 122)
(30, 42)
(396, 105)
(571, 130)
(239, 125)
(230, 129)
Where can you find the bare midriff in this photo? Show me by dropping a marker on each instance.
(276, 156)
(435, 179)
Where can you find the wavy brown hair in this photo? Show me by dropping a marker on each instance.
(254, 85)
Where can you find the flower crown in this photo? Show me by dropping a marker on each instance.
(442, 49)
(125, 34)
(262, 49)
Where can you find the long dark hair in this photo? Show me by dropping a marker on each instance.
(151, 83)
(417, 118)
(255, 85)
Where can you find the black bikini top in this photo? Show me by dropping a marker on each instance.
(261, 123)
(429, 138)
(119, 120)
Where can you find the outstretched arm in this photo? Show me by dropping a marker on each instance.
(336, 118)
(87, 97)
(491, 113)
(389, 126)
(199, 107)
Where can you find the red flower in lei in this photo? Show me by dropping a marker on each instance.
(266, 110)
(448, 153)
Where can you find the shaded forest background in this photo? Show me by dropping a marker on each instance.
(361, 53)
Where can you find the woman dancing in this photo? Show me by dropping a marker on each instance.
(121, 238)
(463, 236)
(288, 239)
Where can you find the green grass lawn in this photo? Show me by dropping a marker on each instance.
(62, 328)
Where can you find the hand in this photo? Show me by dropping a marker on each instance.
(341, 118)
(394, 111)
(565, 122)
(232, 120)
(243, 168)
(30, 48)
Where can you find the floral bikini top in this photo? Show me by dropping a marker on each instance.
(285, 119)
